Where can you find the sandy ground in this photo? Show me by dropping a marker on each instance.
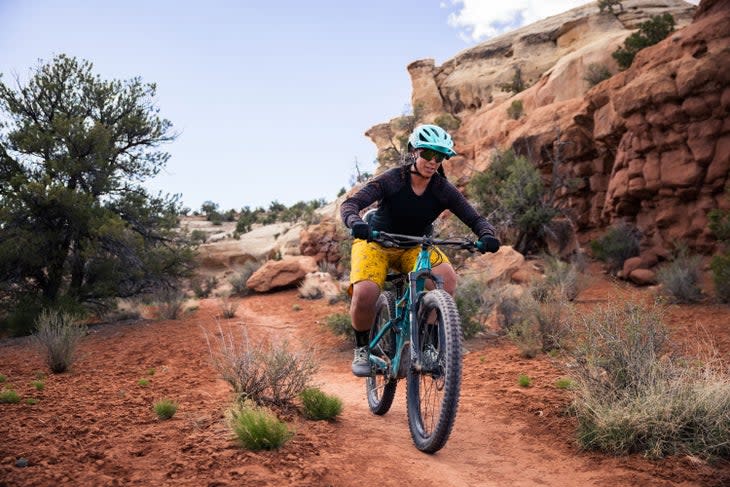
(95, 426)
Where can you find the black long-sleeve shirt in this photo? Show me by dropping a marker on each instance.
(401, 210)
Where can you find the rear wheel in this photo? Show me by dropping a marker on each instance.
(434, 382)
(380, 387)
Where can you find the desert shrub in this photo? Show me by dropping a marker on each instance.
(227, 306)
(257, 429)
(3, 378)
(170, 303)
(515, 110)
(58, 335)
(516, 84)
(633, 395)
(619, 243)
(238, 280)
(512, 193)
(9, 396)
(720, 264)
(198, 236)
(318, 405)
(534, 325)
(563, 281)
(340, 324)
(474, 303)
(310, 289)
(524, 380)
(650, 32)
(595, 73)
(680, 277)
(264, 373)
(609, 4)
(565, 383)
(38, 384)
(447, 122)
(165, 408)
(720, 267)
(202, 287)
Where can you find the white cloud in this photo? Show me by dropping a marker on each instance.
(478, 20)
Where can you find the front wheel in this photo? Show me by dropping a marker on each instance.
(379, 386)
(434, 382)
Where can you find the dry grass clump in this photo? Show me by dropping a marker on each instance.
(227, 306)
(680, 277)
(170, 303)
(58, 335)
(264, 373)
(238, 281)
(634, 395)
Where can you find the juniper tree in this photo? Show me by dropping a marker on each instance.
(76, 224)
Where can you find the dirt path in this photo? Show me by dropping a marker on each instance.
(95, 426)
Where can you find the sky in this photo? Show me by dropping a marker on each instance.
(270, 99)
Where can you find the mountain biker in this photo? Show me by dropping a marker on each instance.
(410, 198)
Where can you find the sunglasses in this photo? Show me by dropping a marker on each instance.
(432, 155)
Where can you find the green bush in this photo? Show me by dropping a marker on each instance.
(515, 109)
(9, 396)
(58, 335)
(340, 324)
(198, 236)
(258, 429)
(165, 408)
(633, 395)
(596, 73)
(524, 380)
(319, 405)
(680, 277)
(512, 194)
(619, 243)
(650, 32)
(720, 264)
(447, 122)
(609, 4)
(202, 287)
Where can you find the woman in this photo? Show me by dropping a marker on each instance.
(410, 198)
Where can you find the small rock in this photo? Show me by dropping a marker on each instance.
(21, 462)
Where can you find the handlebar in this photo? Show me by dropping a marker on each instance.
(399, 241)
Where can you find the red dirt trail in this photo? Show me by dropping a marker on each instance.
(94, 426)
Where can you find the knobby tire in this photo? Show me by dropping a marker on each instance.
(380, 388)
(433, 386)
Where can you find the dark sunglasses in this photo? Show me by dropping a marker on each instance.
(432, 155)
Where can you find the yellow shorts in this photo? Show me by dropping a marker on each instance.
(371, 261)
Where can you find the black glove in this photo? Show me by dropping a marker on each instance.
(361, 230)
(488, 244)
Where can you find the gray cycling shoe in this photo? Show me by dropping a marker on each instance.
(361, 362)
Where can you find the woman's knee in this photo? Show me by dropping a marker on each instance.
(364, 294)
(448, 276)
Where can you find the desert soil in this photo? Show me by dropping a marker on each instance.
(94, 425)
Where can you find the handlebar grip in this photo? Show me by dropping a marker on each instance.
(481, 246)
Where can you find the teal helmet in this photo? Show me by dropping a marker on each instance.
(432, 137)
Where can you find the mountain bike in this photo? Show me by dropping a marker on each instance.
(417, 335)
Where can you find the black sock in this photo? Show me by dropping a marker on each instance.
(362, 338)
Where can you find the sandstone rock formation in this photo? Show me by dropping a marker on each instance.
(650, 145)
(286, 272)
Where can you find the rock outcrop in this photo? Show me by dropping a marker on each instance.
(649, 146)
(287, 272)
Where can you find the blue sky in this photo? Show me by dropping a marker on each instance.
(270, 99)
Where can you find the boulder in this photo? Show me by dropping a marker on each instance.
(499, 266)
(287, 272)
